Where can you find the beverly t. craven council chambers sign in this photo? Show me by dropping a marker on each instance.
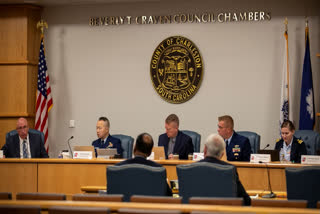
(176, 69)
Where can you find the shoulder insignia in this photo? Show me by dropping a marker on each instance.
(300, 141)
(278, 140)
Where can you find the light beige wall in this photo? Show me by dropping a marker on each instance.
(98, 71)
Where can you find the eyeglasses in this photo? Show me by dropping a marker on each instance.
(22, 127)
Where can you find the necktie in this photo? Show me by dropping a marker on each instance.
(25, 150)
(170, 146)
(227, 144)
(102, 142)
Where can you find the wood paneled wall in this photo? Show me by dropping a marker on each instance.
(19, 52)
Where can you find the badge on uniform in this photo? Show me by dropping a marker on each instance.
(236, 149)
(110, 145)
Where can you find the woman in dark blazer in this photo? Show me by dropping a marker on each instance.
(290, 147)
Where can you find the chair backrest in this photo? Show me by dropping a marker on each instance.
(126, 144)
(204, 179)
(136, 179)
(303, 183)
(78, 210)
(20, 209)
(196, 139)
(5, 196)
(147, 211)
(155, 199)
(97, 197)
(254, 140)
(40, 196)
(216, 201)
(279, 203)
(14, 132)
(311, 139)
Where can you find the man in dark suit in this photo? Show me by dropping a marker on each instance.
(213, 151)
(141, 151)
(24, 144)
(174, 141)
(238, 147)
(105, 140)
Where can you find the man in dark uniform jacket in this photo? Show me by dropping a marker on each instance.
(238, 147)
(175, 141)
(213, 152)
(24, 144)
(141, 151)
(105, 140)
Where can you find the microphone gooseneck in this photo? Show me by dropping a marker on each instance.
(70, 146)
(271, 194)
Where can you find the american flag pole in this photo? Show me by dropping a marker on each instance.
(44, 100)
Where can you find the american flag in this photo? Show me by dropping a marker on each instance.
(44, 100)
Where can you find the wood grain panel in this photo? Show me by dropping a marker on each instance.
(68, 178)
(19, 36)
(32, 77)
(13, 89)
(18, 177)
(13, 35)
(33, 34)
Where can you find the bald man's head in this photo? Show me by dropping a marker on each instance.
(22, 128)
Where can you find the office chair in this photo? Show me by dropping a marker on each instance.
(136, 179)
(254, 140)
(196, 139)
(204, 179)
(126, 144)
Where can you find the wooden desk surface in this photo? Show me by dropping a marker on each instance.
(69, 175)
(185, 208)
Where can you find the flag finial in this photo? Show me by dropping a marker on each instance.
(307, 21)
(42, 24)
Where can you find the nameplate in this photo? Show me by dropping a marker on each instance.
(260, 158)
(1, 153)
(82, 155)
(310, 159)
(198, 156)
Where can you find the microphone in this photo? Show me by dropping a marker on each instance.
(70, 146)
(266, 146)
(271, 194)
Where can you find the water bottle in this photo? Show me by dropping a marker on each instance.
(281, 155)
(60, 155)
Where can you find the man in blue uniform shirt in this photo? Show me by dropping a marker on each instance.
(105, 140)
(174, 141)
(238, 147)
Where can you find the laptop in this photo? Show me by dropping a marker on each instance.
(106, 153)
(158, 153)
(273, 153)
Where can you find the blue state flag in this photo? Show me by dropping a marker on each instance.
(307, 112)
